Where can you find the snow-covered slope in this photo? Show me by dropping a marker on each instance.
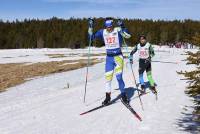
(41, 55)
(44, 55)
(46, 106)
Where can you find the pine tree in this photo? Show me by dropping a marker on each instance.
(194, 77)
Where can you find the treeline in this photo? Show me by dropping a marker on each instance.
(72, 33)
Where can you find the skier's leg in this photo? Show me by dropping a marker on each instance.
(149, 75)
(142, 67)
(141, 71)
(109, 70)
(141, 79)
(150, 78)
(119, 62)
(151, 81)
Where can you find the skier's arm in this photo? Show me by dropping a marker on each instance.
(151, 50)
(98, 35)
(131, 54)
(93, 36)
(133, 51)
(124, 32)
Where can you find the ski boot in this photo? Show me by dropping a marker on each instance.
(142, 89)
(107, 99)
(153, 89)
(124, 98)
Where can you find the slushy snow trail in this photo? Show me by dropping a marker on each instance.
(44, 106)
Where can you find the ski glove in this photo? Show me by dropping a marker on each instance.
(90, 31)
(91, 22)
(120, 23)
(130, 59)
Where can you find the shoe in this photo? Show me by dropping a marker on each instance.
(153, 89)
(107, 99)
(142, 89)
(124, 98)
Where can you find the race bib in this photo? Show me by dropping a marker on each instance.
(144, 51)
(111, 40)
(143, 54)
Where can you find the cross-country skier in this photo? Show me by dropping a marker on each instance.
(146, 52)
(113, 39)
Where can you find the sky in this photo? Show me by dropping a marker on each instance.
(139, 9)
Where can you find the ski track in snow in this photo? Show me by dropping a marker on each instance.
(45, 106)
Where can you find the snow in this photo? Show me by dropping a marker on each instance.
(30, 56)
(45, 106)
(41, 55)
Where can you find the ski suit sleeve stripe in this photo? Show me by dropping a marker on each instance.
(124, 32)
(151, 50)
(134, 50)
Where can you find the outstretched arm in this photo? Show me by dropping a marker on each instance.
(133, 51)
(98, 35)
(93, 36)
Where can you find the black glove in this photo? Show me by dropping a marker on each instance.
(90, 23)
(120, 23)
(130, 59)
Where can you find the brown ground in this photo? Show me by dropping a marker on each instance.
(63, 55)
(101, 54)
(14, 74)
(56, 55)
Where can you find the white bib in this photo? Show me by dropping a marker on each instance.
(143, 51)
(111, 39)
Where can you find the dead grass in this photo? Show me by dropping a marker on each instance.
(71, 55)
(56, 55)
(14, 74)
(101, 54)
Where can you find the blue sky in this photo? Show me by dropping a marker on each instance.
(143, 9)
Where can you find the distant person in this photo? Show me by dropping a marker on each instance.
(191, 46)
(146, 52)
(113, 39)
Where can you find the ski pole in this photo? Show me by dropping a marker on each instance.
(133, 75)
(136, 87)
(90, 21)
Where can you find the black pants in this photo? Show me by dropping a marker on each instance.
(144, 65)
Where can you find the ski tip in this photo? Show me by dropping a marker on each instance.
(140, 119)
(82, 113)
